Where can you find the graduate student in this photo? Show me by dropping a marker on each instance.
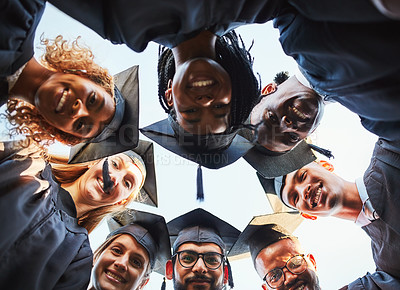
(137, 245)
(199, 251)
(371, 202)
(277, 255)
(65, 96)
(47, 213)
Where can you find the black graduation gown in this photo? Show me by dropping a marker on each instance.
(41, 244)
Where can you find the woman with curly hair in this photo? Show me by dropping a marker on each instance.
(47, 212)
(66, 97)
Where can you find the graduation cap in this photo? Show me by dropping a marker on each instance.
(92, 151)
(212, 151)
(149, 230)
(123, 130)
(263, 231)
(273, 189)
(200, 226)
(271, 164)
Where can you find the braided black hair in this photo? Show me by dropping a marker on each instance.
(233, 56)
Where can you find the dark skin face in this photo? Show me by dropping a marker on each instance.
(201, 96)
(276, 255)
(314, 190)
(286, 115)
(74, 104)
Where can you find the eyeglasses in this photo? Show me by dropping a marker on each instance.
(188, 259)
(296, 265)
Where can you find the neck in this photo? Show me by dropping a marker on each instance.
(81, 207)
(202, 45)
(351, 202)
(31, 78)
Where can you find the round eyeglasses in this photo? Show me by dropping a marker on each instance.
(188, 259)
(296, 265)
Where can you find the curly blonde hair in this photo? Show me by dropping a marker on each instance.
(63, 57)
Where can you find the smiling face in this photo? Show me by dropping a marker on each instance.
(276, 255)
(125, 176)
(75, 105)
(122, 265)
(201, 96)
(198, 276)
(287, 115)
(313, 189)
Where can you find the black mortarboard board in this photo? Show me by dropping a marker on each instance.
(263, 231)
(272, 164)
(211, 151)
(127, 134)
(149, 230)
(200, 226)
(92, 151)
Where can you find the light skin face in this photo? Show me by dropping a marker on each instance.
(74, 104)
(288, 115)
(314, 190)
(201, 95)
(199, 276)
(277, 254)
(122, 265)
(125, 176)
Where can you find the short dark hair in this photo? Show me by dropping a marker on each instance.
(233, 56)
(280, 77)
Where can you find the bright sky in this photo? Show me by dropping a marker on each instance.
(342, 249)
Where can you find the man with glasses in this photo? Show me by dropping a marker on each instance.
(200, 240)
(277, 255)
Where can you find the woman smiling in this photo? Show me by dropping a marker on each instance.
(46, 215)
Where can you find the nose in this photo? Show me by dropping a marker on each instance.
(204, 100)
(79, 109)
(290, 278)
(121, 263)
(289, 123)
(306, 191)
(199, 267)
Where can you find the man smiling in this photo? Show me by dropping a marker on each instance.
(371, 202)
(287, 113)
(277, 255)
(200, 240)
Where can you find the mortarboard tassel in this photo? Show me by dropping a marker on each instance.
(163, 285)
(323, 151)
(107, 182)
(200, 191)
(230, 278)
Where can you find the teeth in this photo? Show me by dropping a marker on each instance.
(118, 278)
(301, 287)
(202, 83)
(101, 183)
(298, 113)
(316, 197)
(62, 100)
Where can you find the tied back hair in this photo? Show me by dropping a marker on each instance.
(233, 56)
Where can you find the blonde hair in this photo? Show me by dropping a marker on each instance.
(63, 57)
(67, 173)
